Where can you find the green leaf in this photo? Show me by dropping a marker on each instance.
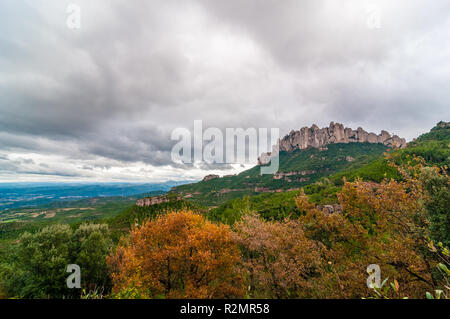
(429, 296)
(384, 282)
(393, 286)
(377, 292)
(444, 268)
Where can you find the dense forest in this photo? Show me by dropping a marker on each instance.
(310, 238)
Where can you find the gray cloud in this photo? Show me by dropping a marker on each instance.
(108, 95)
(383, 76)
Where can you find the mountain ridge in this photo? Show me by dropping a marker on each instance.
(335, 133)
(297, 169)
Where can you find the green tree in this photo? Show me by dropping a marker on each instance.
(36, 267)
(92, 244)
(437, 186)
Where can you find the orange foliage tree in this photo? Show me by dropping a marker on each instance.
(178, 255)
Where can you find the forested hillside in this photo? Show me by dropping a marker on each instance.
(297, 168)
(432, 146)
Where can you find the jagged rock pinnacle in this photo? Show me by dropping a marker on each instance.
(335, 133)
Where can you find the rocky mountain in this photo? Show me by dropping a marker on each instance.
(297, 168)
(335, 133)
(318, 170)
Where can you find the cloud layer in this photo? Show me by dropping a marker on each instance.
(100, 102)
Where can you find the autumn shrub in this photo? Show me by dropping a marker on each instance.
(380, 223)
(178, 255)
(443, 270)
(278, 259)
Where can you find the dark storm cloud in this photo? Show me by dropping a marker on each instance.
(111, 92)
(359, 74)
(89, 90)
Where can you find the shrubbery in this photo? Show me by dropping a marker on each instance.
(36, 266)
(178, 255)
(311, 255)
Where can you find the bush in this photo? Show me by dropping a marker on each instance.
(437, 187)
(36, 267)
(178, 255)
(279, 260)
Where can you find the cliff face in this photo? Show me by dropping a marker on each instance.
(335, 133)
(149, 201)
(210, 177)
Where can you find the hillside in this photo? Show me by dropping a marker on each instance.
(297, 169)
(305, 156)
(432, 146)
(301, 166)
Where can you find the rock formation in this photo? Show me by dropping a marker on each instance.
(264, 158)
(335, 133)
(281, 175)
(149, 201)
(330, 209)
(209, 177)
(443, 124)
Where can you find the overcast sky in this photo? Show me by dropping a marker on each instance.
(99, 103)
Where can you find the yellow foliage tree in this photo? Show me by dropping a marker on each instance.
(381, 223)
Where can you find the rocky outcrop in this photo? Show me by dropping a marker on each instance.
(264, 158)
(330, 209)
(229, 190)
(150, 201)
(349, 159)
(267, 190)
(443, 124)
(335, 133)
(210, 177)
(281, 175)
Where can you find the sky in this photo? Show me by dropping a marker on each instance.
(100, 102)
